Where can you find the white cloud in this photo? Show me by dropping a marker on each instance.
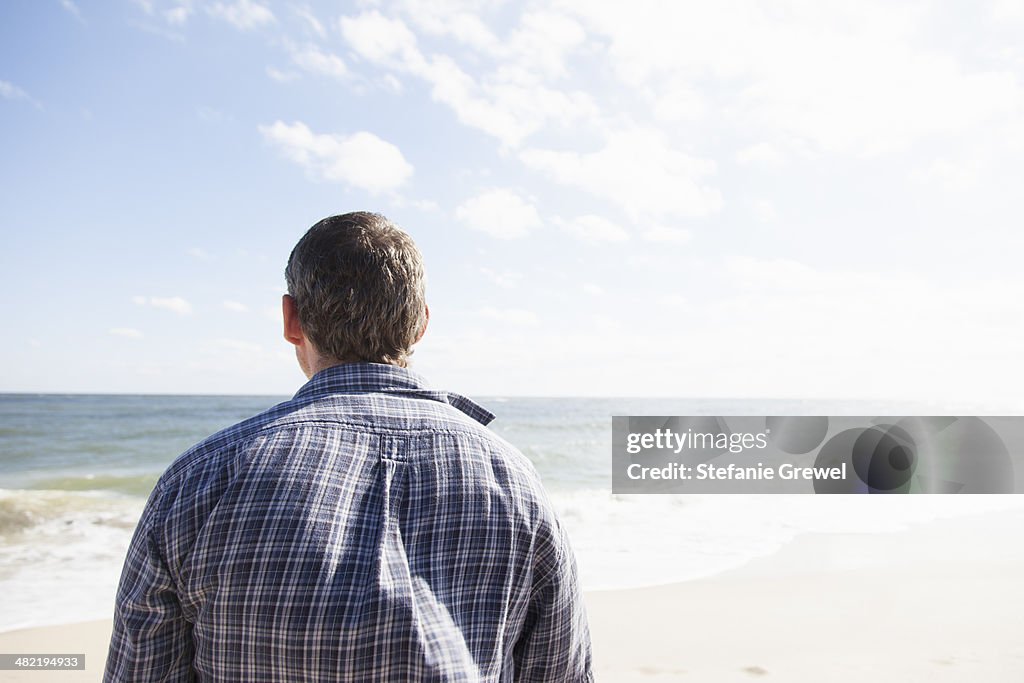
(237, 345)
(314, 24)
(500, 213)
(511, 316)
(957, 176)
(832, 75)
(457, 19)
(664, 233)
(314, 60)
(676, 301)
(506, 279)
(129, 332)
(174, 304)
(178, 16)
(383, 41)
(9, 91)
(676, 101)
(244, 15)
(637, 170)
(509, 104)
(765, 211)
(281, 76)
(362, 159)
(1006, 10)
(211, 115)
(72, 9)
(236, 307)
(761, 153)
(593, 289)
(591, 228)
(542, 42)
(426, 205)
(199, 254)
(392, 84)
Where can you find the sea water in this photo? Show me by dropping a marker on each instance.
(76, 471)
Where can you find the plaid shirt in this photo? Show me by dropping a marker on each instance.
(367, 530)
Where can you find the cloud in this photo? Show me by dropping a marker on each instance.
(831, 75)
(382, 41)
(676, 100)
(666, 182)
(281, 76)
(72, 9)
(542, 42)
(244, 15)
(761, 153)
(511, 316)
(178, 16)
(591, 228)
(312, 59)
(664, 233)
(510, 103)
(199, 254)
(426, 205)
(9, 91)
(174, 304)
(460, 21)
(593, 289)
(211, 115)
(314, 24)
(956, 176)
(129, 332)
(236, 307)
(237, 345)
(506, 279)
(500, 213)
(361, 160)
(765, 211)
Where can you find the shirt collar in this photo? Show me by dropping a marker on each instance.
(363, 378)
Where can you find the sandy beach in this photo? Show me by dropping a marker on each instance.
(940, 602)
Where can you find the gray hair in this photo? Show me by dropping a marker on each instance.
(359, 287)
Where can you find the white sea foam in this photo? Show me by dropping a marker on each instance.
(60, 562)
(640, 540)
(61, 557)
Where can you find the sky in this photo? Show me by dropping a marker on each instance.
(797, 199)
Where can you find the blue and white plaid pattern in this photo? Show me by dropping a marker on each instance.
(367, 530)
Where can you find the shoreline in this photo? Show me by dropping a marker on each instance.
(936, 602)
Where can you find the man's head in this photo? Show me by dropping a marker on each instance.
(355, 293)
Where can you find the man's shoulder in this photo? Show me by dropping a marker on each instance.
(396, 416)
(227, 441)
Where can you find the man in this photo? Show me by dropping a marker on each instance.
(369, 529)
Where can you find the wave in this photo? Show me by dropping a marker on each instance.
(60, 553)
(131, 484)
(627, 541)
(62, 512)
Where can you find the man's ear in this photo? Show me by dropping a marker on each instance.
(290, 312)
(426, 321)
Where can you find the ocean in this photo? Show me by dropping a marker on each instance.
(77, 470)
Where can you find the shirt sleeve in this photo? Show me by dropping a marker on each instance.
(554, 645)
(151, 640)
